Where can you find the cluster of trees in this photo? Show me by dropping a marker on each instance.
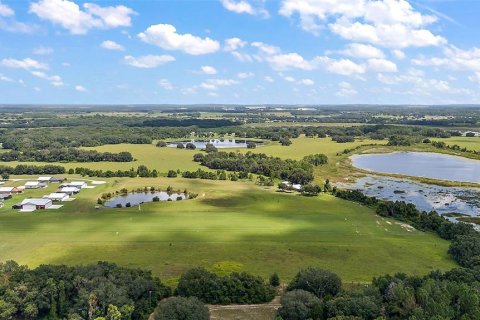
(99, 291)
(258, 163)
(316, 159)
(318, 295)
(141, 171)
(402, 141)
(201, 174)
(23, 169)
(343, 139)
(65, 155)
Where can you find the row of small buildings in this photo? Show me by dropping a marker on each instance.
(64, 193)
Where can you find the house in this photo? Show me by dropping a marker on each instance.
(10, 190)
(57, 196)
(69, 190)
(35, 204)
(75, 184)
(35, 185)
(45, 179)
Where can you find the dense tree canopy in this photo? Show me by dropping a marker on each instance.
(258, 163)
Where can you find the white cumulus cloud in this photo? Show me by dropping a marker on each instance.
(26, 63)
(382, 65)
(166, 37)
(208, 70)
(79, 20)
(243, 6)
(388, 23)
(112, 45)
(148, 61)
(80, 88)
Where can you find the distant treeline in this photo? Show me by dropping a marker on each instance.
(97, 134)
(258, 163)
(200, 123)
(65, 155)
(22, 169)
(142, 171)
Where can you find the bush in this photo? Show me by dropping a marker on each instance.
(179, 308)
(251, 145)
(180, 145)
(190, 146)
(300, 305)
(161, 144)
(172, 174)
(274, 280)
(320, 282)
(210, 148)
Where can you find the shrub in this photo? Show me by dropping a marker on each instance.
(161, 144)
(172, 174)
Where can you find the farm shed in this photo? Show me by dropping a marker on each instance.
(57, 196)
(35, 204)
(35, 185)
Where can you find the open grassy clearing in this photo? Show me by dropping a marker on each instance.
(471, 143)
(231, 226)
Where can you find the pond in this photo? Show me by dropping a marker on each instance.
(426, 197)
(421, 164)
(218, 143)
(137, 198)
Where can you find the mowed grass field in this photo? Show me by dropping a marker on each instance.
(231, 226)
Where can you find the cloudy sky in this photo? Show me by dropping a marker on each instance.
(240, 51)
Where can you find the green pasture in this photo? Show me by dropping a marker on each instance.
(471, 143)
(231, 226)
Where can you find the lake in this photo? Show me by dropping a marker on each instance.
(218, 143)
(421, 164)
(137, 198)
(426, 197)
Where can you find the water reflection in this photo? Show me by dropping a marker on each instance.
(137, 198)
(426, 197)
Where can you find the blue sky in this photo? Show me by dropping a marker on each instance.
(239, 51)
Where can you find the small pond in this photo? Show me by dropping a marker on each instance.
(426, 197)
(421, 164)
(218, 143)
(137, 198)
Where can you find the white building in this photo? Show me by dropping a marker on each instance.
(58, 196)
(44, 179)
(35, 204)
(69, 190)
(35, 185)
(76, 184)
